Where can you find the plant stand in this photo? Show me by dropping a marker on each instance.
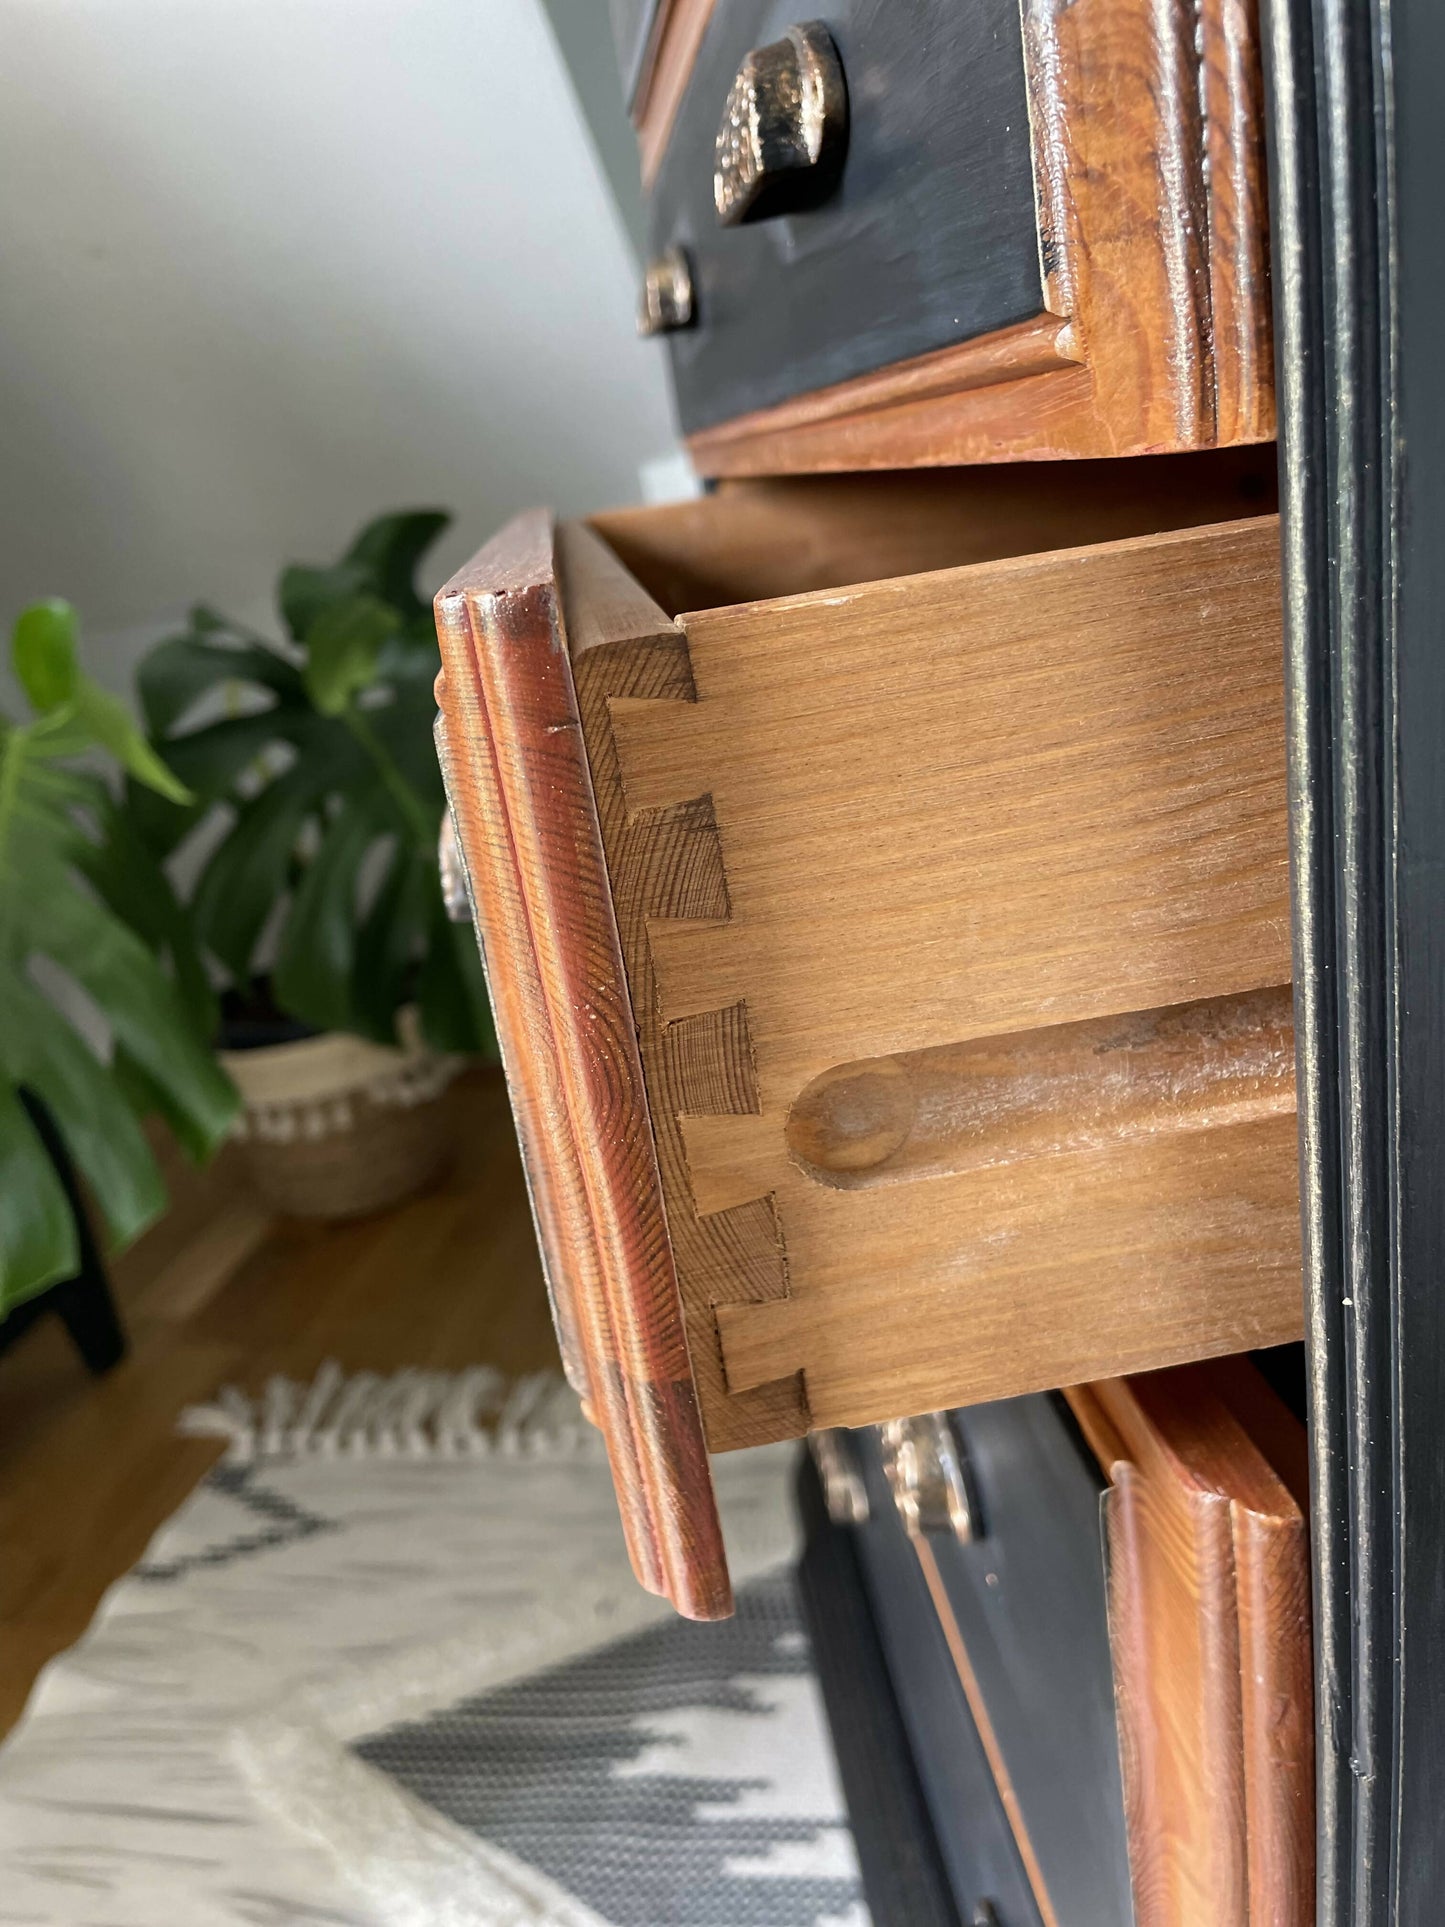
(83, 1302)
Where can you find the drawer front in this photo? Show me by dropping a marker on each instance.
(980, 1847)
(634, 23)
(930, 237)
(933, 1840)
(1124, 1596)
(1021, 1612)
(1047, 235)
(892, 980)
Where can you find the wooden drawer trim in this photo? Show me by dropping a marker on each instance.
(677, 33)
(527, 825)
(1023, 1608)
(1210, 1622)
(666, 871)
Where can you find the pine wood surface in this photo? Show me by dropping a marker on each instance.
(1148, 132)
(220, 1293)
(1063, 796)
(1210, 1625)
(527, 826)
(1055, 784)
(1035, 1094)
(669, 864)
(758, 539)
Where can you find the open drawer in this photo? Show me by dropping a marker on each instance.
(883, 887)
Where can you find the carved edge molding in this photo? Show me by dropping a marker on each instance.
(521, 795)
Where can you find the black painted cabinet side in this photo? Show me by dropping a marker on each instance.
(1357, 155)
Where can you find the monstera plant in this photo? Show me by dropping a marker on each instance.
(105, 1008)
(313, 758)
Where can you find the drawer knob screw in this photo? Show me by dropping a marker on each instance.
(784, 132)
(667, 299)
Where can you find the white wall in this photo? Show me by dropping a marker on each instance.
(268, 267)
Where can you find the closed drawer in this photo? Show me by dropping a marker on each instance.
(966, 1832)
(886, 914)
(1142, 1695)
(1035, 231)
(1209, 1603)
(1020, 1610)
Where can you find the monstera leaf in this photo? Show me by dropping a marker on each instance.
(318, 754)
(82, 899)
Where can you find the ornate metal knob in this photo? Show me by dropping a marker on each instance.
(667, 300)
(784, 131)
(927, 1477)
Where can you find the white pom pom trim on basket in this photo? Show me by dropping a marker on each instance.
(304, 1090)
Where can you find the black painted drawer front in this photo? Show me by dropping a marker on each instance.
(931, 237)
(632, 22)
(1028, 1596)
(974, 1838)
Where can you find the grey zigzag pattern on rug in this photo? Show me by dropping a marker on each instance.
(285, 1523)
(193, 1759)
(596, 1773)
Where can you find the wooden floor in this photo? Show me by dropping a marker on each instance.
(218, 1293)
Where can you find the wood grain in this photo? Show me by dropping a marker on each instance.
(668, 864)
(1148, 161)
(1042, 1093)
(522, 796)
(990, 1284)
(1066, 795)
(751, 541)
(1016, 825)
(1210, 1623)
(1232, 80)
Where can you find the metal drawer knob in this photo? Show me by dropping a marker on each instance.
(926, 1475)
(784, 131)
(667, 298)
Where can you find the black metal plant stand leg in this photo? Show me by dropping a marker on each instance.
(83, 1302)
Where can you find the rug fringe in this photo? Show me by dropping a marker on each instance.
(407, 1414)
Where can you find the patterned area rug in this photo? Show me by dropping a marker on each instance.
(388, 1668)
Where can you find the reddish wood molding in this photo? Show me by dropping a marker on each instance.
(518, 780)
(1210, 1624)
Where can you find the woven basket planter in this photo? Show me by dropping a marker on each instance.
(334, 1126)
